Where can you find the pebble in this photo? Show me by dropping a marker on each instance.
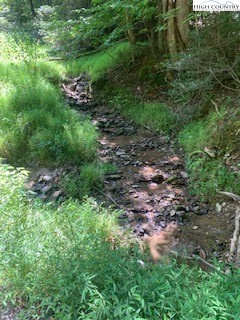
(218, 208)
(135, 186)
(172, 213)
(195, 227)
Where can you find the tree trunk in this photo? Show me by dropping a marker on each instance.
(32, 8)
(182, 22)
(171, 33)
(161, 34)
(130, 32)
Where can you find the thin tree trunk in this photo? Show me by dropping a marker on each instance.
(32, 8)
(171, 34)
(161, 43)
(130, 32)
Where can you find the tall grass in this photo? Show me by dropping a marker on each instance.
(68, 263)
(97, 64)
(35, 123)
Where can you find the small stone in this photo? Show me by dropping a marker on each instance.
(43, 197)
(56, 194)
(153, 185)
(120, 152)
(171, 195)
(158, 178)
(195, 227)
(172, 213)
(135, 196)
(37, 187)
(135, 186)
(210, 153)
(218, 208)
(184, 175)
(47, 178)
(46, 189)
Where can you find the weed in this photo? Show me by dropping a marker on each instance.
(89, 179)
(207, 177)
(210, 175)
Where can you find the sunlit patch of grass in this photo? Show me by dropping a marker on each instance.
(97, 64)
(36, 125)
(157, 116)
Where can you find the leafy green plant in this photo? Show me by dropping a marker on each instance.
(217, 132)
(207, 177)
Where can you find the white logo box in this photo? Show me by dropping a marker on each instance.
(219, 5)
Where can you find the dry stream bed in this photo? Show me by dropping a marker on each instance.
(150, 185)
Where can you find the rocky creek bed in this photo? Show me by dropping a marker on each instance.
(150, 185)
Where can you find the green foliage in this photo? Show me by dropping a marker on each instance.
(207, 177)
(60, 263)
(35, 123)
(210, 63)
(157, 116)
(89, 179)
(97, 64)
(217, 132)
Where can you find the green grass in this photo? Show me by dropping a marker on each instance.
(61, 263)
(36, 126)
(157, 116)
(97, 64)
(207, 177)
(89, 179)
(218, 132)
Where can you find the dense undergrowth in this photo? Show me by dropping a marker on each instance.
(36, 125)
(70, 262)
